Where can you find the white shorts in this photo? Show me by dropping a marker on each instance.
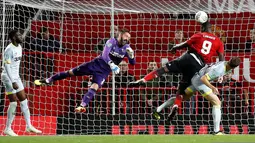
(198, 85)
(8, 84)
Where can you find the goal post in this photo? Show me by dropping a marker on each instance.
(62, 34)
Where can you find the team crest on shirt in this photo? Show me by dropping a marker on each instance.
(17, 59)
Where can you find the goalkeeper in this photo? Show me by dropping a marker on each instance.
(114, 52)
(201, 82)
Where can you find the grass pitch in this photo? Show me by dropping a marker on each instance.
(132, 139)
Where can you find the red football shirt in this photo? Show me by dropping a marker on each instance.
(206, 44)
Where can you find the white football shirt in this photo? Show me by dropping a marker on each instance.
(12, 56)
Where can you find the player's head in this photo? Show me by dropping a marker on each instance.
(206, 27)
(15, 36)
(178, 34)
(124, 37)
(234, 62)
(123, 67)
(252, 34)
(152, 65)
(45, 33)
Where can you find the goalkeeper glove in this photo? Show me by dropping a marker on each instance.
(130, 53)
(114, 67)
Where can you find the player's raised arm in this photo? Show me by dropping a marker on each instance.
(131, 56)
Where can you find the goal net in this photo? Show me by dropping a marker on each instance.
(61, 34)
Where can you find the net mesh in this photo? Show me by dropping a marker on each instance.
(78, 30)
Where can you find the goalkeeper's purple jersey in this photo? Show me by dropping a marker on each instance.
(112, 52)
(99, 67)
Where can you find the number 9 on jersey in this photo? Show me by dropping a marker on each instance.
(206, 47)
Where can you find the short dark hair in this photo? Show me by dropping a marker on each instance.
(12, 33)
(43, 29)
(124, 30)
(234, 62)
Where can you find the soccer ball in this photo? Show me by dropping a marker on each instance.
(201, 17)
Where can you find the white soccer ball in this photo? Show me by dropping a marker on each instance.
(201, 17)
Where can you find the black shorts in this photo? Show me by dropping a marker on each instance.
(188, 65)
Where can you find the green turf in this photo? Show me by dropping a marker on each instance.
(132, 139)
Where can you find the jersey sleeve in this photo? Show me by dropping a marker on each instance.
(8, 56)
(193, 38)
(107, 48)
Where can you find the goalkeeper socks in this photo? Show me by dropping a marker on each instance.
(58, 76)
(11, 114)
(178, 100)
(169, 102)
(216, 113)
(151, 75)
(88, 96)
(26, 112)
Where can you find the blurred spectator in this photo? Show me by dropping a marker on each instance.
(154, 95)
(121, 81)
(178, 38)
(44, 42)
(100, 46)
(235, 96)
(216, 30)
(250, 44)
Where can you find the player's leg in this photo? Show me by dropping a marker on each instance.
(170, 67)
(83, 69)
(24, 108)
(190, 64)
(184, 92)
(12, 105)
(11, 114)
(170, 102)
(97, 82)
(216, 109)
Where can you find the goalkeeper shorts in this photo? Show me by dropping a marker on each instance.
(8, 84)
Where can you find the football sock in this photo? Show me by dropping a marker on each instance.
(151, 75)
(88, 97)
(178, 100)
(216, 113)
(26, 112)
(11, 114)
(169, 102)
(58, 76)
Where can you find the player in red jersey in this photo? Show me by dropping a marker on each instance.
(201, 47)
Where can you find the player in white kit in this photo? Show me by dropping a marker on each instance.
(201, 83)
(13, 84)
